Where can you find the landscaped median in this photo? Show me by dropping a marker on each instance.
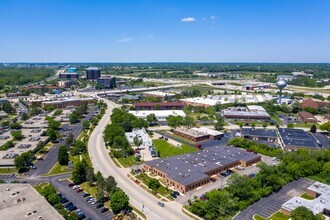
(276, 216)
(62, 169)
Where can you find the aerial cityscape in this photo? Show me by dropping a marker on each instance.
(165, 110)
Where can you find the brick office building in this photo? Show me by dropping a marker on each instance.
(159, 105)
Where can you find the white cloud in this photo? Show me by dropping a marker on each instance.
(213, 17)
(126, 39)
(188, 19)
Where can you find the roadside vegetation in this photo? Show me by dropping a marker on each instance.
(243, 191)
(165, 149)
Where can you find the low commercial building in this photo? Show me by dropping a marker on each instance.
(22, 201)
(64, 84)
(159, 105)
(287, 78)
(71, 75)
(314, 103)
(259, 134)
(250, 112)
(161, 115)
(67, 102)
(297, 138)
(307, 117)
(198, 134)
(159, 94)
(189, 171)
(72, 69)
(319, 205)
(107, 82)
(142, 134)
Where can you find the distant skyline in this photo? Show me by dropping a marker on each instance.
(274, 31)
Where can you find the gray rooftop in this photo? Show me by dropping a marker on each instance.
(189, 168)
(297, 138)
(258, 132)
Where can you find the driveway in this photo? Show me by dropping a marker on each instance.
(267, 206)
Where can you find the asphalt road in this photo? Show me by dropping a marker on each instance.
(139, 198)
(267, 206)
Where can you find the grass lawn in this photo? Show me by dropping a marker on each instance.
(320, 178)
(40, 186)
(277, 119)
(305, 196)
(279, 216)
(303, 125)
(127, 161)
(90, 189)
(258, 217)
(7, 170)
(161, 190)
(183, 139)
(168, 150)
(58, 169)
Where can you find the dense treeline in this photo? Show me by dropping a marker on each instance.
(114, 134)
(243, 191)
(11, 76)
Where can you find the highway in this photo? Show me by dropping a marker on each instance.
(139, 198)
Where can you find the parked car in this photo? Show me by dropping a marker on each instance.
(64, 200)
(99, 205)
(252, 175)
(86, 194)
(161, 204)
(71, 184)
(68, 204)
(104, 209)
(75, 187)
(79, 190)
(136, 181)
(203, 197)
(174, 195)
(213, 179)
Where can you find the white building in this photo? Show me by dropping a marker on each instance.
(141, 134)
(161, 115)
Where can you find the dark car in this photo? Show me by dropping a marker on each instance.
(203, 197)
(252, 175)
(71, 208)
(104, 209)
(71, 184)
(60, 195)
(99, 205)
(174, 195)
(79, 190)
(40, 158)
(161, 204)
(64, 200)
(68, 204)
(86, 194)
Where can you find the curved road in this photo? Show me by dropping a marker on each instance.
(139, 198)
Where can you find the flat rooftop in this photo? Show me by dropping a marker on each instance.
(316, 205)
(298, 138)
(158, 113)
(68, 100)
(159, 93)
(259, 132)
(20, 201)
(189, 168)
(198, 132)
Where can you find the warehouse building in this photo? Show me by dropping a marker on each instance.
(198, 134)
(22, 201)
(159, 94)
(320, 204)
(307, 117)
(189, 171)
(250, 112)
(161, 115)
(67, 102)
(314, 103)
(159, 105)
(259, 134)
(298, 138)
(71, 75)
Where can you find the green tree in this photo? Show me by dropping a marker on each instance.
(48, 190)
(137, 141)
(69, 140)
(20, 163)
(325, 127)
(154, 185)
(151, 119)
(118, 200)
(73, 117)
(313, 128)
(79, 172)
(16, 125)
(111, 131)
(79, 147)
(110, 184)
(17, 135)
(302, 213)
(63, 156)
(290, 125)
(52, 134)
(53, 198)
(52, 123)
(85, 125)
(25, 116)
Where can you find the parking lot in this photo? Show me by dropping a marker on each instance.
(36, 122)
(267, 206)
(29, 142)
(78, 200)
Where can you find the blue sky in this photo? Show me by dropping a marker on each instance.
(165, 31)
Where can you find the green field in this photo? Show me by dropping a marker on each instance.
(168, 150)
(127, 161)
(305, 196)
(40, 186)
(7, 170)
(279, 216)
(58, 169)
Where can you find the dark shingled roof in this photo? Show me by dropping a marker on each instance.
(258, 132)
(297, 138)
